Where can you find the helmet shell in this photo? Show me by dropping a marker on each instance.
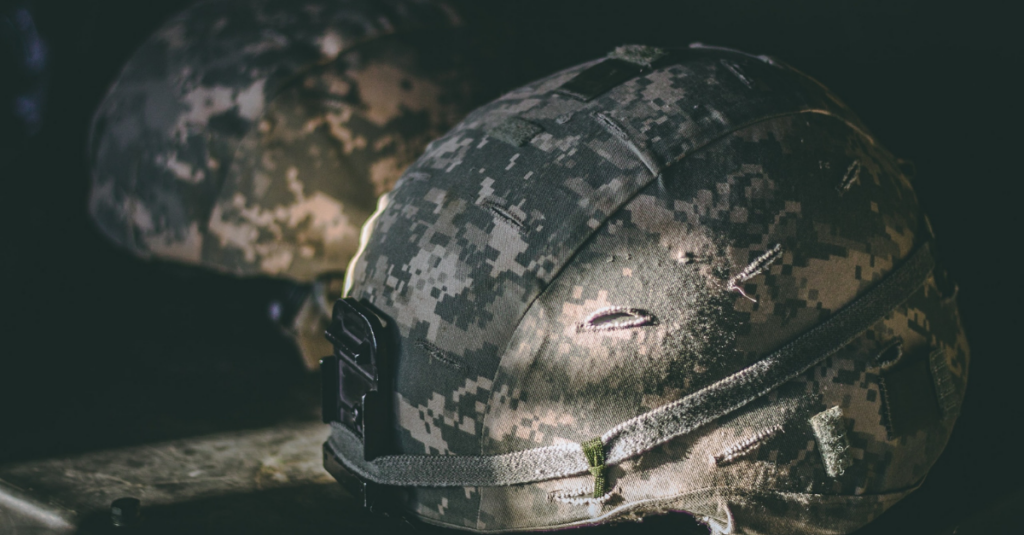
(558, 266)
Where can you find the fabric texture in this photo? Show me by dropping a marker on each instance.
(712, 193)
(646, 431)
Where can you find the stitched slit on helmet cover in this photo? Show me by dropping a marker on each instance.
(890, 354)
(439, 355)
(745, 446)
(581, 496)
(759, 264)
(851, 176)
(736, 71)
(615, 318)
(618, 132)
(504, 214)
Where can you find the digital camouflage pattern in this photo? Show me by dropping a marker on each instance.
(644, 244)
(254, 136)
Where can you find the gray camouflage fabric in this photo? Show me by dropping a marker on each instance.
(642, 245)
(254, 136)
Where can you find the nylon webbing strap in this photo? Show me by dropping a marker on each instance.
(650, 429)
(593, 450)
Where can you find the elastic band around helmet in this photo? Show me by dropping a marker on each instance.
(655, 427)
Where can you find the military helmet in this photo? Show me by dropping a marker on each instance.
(254, 137)
(665, 280)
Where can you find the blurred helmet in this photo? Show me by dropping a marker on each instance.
(666, 280)
(253, 137)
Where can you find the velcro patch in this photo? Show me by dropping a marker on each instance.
(909, 396)
(830, 432)
(515, 131)
(598, 79)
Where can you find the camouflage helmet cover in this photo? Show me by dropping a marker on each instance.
(659, 281)
(254, 136)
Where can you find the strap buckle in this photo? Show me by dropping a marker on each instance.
(356, 378)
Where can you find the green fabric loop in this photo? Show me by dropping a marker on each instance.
(593, 450)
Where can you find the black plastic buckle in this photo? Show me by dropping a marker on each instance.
(356, 378)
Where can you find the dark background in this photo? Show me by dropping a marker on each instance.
(102, 350)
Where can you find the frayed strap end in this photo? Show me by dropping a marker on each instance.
(834, 445)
